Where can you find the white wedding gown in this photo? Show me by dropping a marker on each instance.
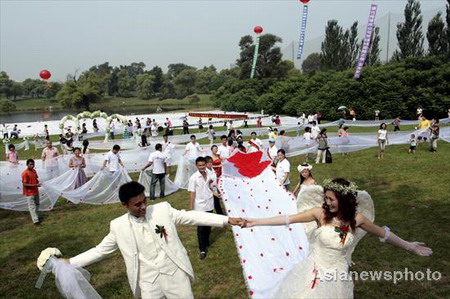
(323, 274)
(318, 276)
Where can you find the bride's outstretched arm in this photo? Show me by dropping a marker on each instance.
(307, 216)
(385, 235)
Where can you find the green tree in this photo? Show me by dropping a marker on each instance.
(311, 64)
(409, 33)
(52, 89)
(185, 82)
(158, 75)
(175, 69)
(205, 79)
(436, 36)
(16, 90)
(5, 84)
(331, 55)
(7, 106)
(373, 57)
(144, 86)
(33, 88)
(126, 84)
(350, 47)
(269, 63)
(81, 93)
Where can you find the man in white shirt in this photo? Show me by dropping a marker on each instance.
(193, 149)
(283, 168)
(158, 160)
(223, 150)
(272, 150)
(315, 130)
(201, 199)
(157, 264)
(254, 144)
(168, 148)
(113, 160)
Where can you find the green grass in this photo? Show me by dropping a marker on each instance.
(410, 192)
(110, 103)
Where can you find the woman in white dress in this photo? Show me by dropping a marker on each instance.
(338, 231)
(306, 179)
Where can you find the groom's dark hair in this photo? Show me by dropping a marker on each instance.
(130, 190)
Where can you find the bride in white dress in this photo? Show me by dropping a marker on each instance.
(306, 179)
(338, 228)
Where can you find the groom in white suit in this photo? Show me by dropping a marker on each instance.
(157, 263)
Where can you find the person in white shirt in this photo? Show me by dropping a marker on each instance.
(201, 199)
(223, 149)
(282, 169)
(272, 151)
(307, 139)
(168, 149)
(193, 149)
(157, 264)
(113, 160)
(158, 160)
(315, 130)
(310, 118)
(154, 129)
(254, 144)
(382, 140)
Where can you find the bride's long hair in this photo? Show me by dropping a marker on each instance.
(346, 200)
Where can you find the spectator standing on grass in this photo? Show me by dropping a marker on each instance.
(396, 124)
(382, 140)
(322, 140)
(31, 186)
(434, 136)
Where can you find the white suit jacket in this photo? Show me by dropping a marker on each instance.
(121, 236)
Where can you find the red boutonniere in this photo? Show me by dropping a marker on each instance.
(343, 231)
(161, 231)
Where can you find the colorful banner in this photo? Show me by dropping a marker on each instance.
(301, 41)
(216, 115)
(367, 39)
(255, 57)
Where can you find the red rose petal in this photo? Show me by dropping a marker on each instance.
(287, 253)
(250, 277)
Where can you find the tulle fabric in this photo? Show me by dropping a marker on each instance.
(72, 282)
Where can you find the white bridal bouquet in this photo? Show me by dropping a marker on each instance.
(45, 255)
(72, 281)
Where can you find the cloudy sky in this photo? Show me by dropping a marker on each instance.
(67, 35)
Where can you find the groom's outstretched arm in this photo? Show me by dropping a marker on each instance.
(107, 246)
(201, 218)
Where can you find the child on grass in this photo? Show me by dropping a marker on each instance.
(412, 144)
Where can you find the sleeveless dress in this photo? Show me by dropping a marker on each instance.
(81, 178)
(322, 273)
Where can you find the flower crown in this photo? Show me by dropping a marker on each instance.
(328, 184)
(305, 166)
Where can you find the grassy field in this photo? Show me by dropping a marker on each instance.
(410, 193)
(113, 104)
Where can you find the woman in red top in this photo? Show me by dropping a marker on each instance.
(217, 162)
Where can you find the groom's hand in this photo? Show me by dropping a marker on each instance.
(236, 221)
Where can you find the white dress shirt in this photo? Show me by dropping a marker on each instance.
(158, 159)
(113, 161)
(204, 200)
(223, 151)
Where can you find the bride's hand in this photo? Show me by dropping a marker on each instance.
(419, 249)
(248, 223)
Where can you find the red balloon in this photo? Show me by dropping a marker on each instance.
(258, 29)
(44, 74)
(304, 1)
